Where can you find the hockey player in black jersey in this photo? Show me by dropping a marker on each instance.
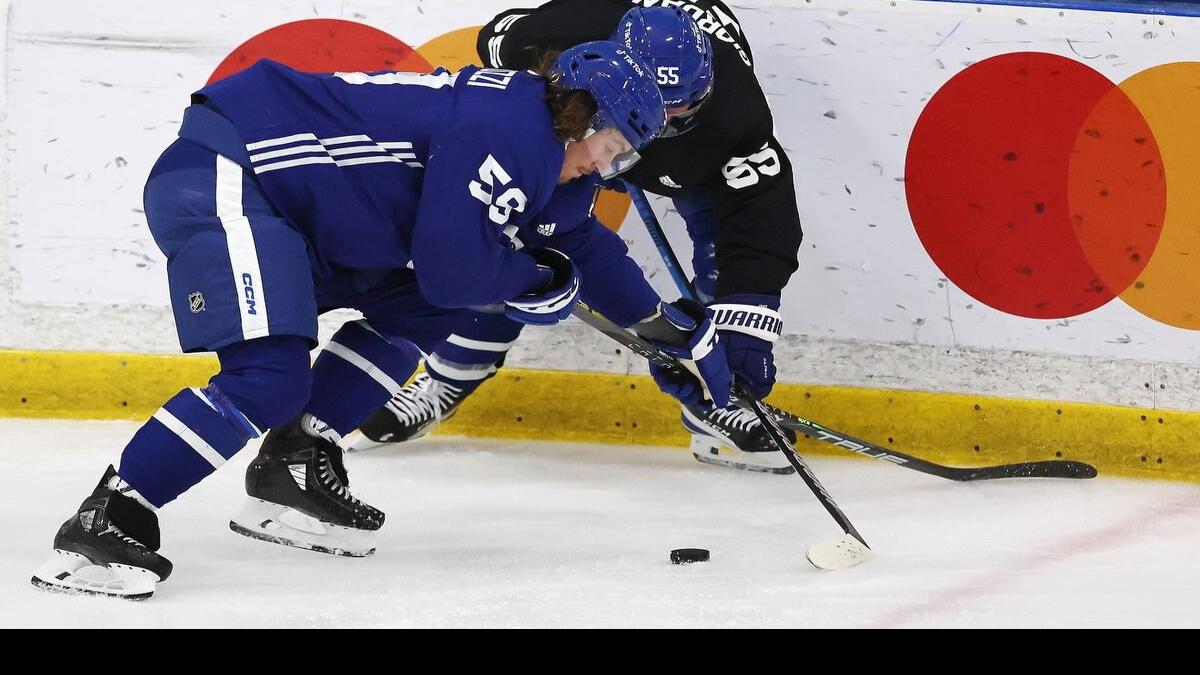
(720, 163)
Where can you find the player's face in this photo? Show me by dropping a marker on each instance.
(680, 119)
(577, 163)
(605, 152)
(611, 153)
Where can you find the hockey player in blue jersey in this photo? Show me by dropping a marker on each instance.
(407, 197)
(729, 179)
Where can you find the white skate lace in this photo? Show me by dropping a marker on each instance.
(116, 532)
(330, 480)
(424, 400)
(737, 419)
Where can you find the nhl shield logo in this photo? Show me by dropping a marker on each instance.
(547, 229)
(196, 302)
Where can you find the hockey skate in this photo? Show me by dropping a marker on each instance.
(107, 548)
(417, 410)
(734, 437)
(298, 495)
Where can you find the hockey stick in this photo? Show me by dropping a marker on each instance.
(1040, 469)
(659, 237)
(1054, 468)
(845, 551)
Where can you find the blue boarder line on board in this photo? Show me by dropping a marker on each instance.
(1119, 6)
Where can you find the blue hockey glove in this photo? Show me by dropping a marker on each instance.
(696, 346)
(749, 325)
(552, 302)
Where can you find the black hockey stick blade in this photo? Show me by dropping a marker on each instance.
(1054, 468)
(1046, 469)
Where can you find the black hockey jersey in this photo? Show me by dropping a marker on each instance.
(730, 157)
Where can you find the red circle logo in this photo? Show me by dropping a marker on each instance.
(324, 45)
(1044, 190)
(1031, 180)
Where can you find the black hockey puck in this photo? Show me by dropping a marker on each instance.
(687, 556)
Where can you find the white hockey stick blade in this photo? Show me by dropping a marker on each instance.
(838, 554)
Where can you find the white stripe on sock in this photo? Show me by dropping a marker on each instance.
(455, 373)
(362, 363)
(185, 433)
(480, 345)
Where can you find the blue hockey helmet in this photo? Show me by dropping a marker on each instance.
(630, 109)
(675, 47)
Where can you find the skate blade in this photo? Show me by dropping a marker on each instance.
(839, 554)
(708, 452)
(73, 574)
(278, 524)
(357, 441)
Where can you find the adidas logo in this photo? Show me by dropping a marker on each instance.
(547, 229)
(666, 180)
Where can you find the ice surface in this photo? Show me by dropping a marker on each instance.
(492, 533)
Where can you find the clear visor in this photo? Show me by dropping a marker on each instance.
(610, 152)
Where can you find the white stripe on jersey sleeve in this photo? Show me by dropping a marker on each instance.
(286, 152)
(284, 140)
(342, 140)
(374, 159)
(356, 150)
(266, 168)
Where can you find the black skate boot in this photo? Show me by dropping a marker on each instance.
(417, 410)
(787, 420)
(298, 495)
(107, 548)
(734, 437)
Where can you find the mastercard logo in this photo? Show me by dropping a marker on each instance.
(1045, 190)
(328, 45)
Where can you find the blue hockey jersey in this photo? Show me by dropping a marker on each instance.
(437, 172)
(451, 174)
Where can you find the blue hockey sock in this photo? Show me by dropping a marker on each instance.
(474, 351)
(262, 383)
(186, 440)
(267, 380)
(357, 372)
